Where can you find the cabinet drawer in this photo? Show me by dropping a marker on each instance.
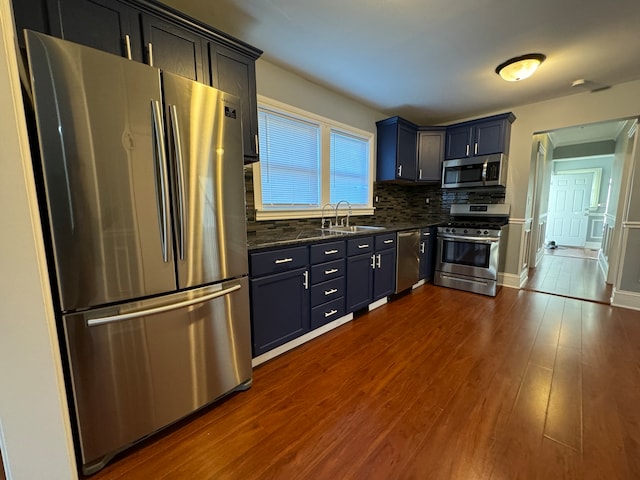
(387, 240)
(278, 260)
(325, 252)
(327, 271)
(327, 312)
(325, 291)
(359, 245)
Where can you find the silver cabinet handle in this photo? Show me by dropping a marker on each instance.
(475, 149)
(331, 313)
(420, 174)
(421, 247)
(330, 292)
(165, 308)
(386, 242)
(373, 261)
(179, 167)
(399, 170)
(127, 46)
(364, 245)
(467, 152)
(330, 252)
(283, 260)
(379, 261)
(257, 144)
(161, 177)
(150, 53)
(329, 272)
(306, 279)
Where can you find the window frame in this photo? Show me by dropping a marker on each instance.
(326, 126)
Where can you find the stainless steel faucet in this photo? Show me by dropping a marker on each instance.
(326, 204)
(348, 212)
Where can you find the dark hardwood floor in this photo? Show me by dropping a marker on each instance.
(570, 275)
(437, 384)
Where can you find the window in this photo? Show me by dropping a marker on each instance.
(307, 161)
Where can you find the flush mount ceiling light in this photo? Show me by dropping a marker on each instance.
(519, 68)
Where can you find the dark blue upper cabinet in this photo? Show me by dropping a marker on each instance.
(396, 150)
(106, 25)
(479, 137)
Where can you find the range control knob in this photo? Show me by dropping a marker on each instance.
(479, 232)
(486, 232)
(466, 231)
(453, 230)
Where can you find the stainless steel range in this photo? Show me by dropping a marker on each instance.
(471, 247)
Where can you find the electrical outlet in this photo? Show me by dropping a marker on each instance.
(426, 200)
(376, 198)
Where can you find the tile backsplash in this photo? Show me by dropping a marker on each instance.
(396, 204)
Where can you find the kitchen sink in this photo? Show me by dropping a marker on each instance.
(354, 228)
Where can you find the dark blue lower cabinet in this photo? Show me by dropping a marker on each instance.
(427, 253)
(280, 309)
(327, 312)
(384, 276)
(359, 281)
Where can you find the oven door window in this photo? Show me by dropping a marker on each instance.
(460, 252)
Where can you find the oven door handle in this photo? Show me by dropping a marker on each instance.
(485, 240)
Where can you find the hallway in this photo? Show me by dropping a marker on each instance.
(570, 272)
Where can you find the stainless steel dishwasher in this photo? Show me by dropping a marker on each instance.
(408, 259)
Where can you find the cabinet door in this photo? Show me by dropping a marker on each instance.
(173, 49)
(427, 254)
(279, 309)
(458, 142)
(430, 155)
(359, 281)
(235, 73)
(489, 137)
(107, 25)
(384, 280)
(406, 159)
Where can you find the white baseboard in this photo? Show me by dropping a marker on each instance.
(620, 298)
(378, 303)
(593, 245)
(296, 342)
(511, 280)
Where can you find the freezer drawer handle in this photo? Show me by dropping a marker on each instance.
(94, 322)
(331, 291)
(278, 261)
(331, 313)
(329, 272)
(330, 252)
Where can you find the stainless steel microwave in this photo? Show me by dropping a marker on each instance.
(483, 171)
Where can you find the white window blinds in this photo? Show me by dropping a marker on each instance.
(289, 160)
(349, 168)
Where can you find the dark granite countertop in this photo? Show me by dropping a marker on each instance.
(302, 236)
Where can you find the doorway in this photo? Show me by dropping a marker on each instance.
(578, 174)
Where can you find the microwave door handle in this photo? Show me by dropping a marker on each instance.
(484, 171)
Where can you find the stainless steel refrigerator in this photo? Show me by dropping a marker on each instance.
(143, 183)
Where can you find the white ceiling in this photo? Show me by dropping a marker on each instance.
(433, 61)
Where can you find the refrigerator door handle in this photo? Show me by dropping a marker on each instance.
(179, 165)
(161, 177)
(94, 322)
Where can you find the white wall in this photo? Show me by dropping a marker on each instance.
(35, 437)
(279, 84)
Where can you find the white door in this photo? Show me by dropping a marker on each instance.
(569, 209)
